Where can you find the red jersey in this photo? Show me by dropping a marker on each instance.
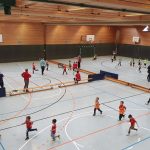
(29, 124)
(53, 128)
(78, 77)
(76, 65)
(64, 68)
(122, 109)
(132, 121)
(26, 75)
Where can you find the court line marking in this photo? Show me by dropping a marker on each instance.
(44, 130)
(77, 145)
(79, 109)
(95, 132)
(2, 146)
(131, 146)
(18, 113)
(20, 148)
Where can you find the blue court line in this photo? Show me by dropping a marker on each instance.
(1, 145)
(135, 143)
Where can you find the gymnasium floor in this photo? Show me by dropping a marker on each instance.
(73, 108)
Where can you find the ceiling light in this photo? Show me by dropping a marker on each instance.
(146, 29)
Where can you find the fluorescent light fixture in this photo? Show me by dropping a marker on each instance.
(135, 14)
(146, 29)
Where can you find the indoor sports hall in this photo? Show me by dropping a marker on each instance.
(74, 75)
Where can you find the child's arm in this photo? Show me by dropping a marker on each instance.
(137, 124)
(23, 123)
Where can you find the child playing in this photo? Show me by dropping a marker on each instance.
(70, 66)
(53, 130)
(29, 123)
(119, 63)
(97, 106)
(130, 62)
(132, 127)
(75, 67)
(95, 57)
(139, 67)
(122, 110)
(64, 70)
(47, 65)
(77, 77)
(133, 62)
(112, 59)
(148, 102)
(34, 68)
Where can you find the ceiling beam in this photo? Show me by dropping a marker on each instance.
(91, 6)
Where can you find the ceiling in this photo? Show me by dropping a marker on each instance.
(85, 12)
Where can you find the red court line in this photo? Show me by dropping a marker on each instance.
(95, 132)
(18, 113)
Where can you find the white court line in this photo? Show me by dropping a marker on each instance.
(43, 131)
(145, 129)
(77, 145)
(74, 142)
(73, 118)
(39, 133)
(52, 96)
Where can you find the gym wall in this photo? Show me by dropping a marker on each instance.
(65, 41)
(21, 41)
(26, 41)
(128, 48)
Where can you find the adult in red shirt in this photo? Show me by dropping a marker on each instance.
(29, 123)
(133, 122)
(77, 77)
(26, 77)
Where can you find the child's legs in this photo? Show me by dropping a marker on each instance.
(99, 110)
(27, 133)
(94, 111)
(120, 116)
(131, 128)
(53, 136)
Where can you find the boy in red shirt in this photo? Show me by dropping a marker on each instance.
(26, 77)
(64, 70)
(29, 123)
(97, 106)
(77, 77)
(122, 110)
(132, 121)
(53, 130)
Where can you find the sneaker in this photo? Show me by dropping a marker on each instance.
(27, 138)
(59, 136)
(93, 114)
(101, 112)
